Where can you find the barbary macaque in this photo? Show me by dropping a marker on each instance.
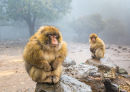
(97, 46)
(44, 55)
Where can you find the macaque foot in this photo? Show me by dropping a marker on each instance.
(48, 79)
(55, 79)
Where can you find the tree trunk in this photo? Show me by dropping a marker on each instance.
(31, 28)
(31, 20)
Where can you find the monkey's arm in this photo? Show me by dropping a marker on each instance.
(93, 48)
(62, 55)
(34, 56)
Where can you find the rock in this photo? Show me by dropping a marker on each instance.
(110, 87)
(119, 47)
(66, 84)
(78, 71)
(124, 48)
(115, 49)
(68, 62)
(105, 66)
(122, 71)
(87, 74)
(95, 80)
(7, 46)
(112, 48)
(108, 47)
(118, 52)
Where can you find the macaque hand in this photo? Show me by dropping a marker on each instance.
(55, 65)
(47, 67)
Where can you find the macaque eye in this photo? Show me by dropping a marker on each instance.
(57, 37)
(91, 37)
(50, 34)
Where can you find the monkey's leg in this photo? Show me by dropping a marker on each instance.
(36, 74)
(40, 75)
(99, 53)
(56, 74)
(46, 77)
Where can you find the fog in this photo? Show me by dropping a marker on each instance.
(111, 11)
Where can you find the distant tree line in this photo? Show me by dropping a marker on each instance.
(110, 29)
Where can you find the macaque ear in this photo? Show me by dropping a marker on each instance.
(41, 30)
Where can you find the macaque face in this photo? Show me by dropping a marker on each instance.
(93, 39)
(54, 39)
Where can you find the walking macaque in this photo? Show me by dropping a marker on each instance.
(44, 55)
(97, 46)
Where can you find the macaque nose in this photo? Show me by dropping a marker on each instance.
(54, 41)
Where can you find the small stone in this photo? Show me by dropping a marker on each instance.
(108, 47)
(115, 49)
(124, 48)
(119, 47)
(118, 52)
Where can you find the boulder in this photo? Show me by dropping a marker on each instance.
(87, 74)
(110, 87)
(122, 71)
(105, 65)
(66, 84)
(68, 62)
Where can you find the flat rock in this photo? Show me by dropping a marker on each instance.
(66, 84)
(105, 65)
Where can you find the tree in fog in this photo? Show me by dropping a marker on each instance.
(33, 10)
(86, 25)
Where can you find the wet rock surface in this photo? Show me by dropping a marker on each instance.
(66, 84)
(105, 65)
(78, 71)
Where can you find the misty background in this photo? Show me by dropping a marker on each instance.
(110, 19)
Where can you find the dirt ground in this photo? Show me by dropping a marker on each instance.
(13, 77)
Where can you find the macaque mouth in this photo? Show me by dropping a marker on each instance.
(54, 45)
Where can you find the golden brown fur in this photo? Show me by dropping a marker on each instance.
(43, 61)
(97, 47)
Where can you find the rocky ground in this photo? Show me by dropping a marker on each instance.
(13, 77)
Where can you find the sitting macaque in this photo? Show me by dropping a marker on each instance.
(97, 46)
(44, 55)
